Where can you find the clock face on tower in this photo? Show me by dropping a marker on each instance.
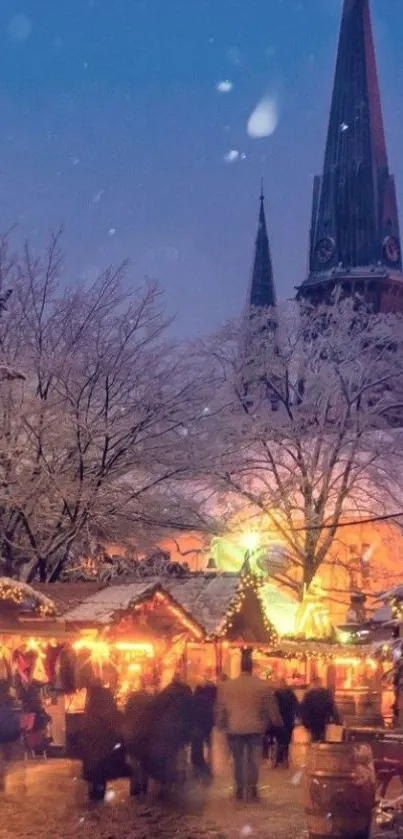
(324, 250)
(391, 249)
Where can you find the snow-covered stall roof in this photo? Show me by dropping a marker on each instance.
(382, 615)
(395, 593)
(205, 597)
(25, 598)
(68, 595)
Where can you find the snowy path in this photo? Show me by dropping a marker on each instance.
(47, 800)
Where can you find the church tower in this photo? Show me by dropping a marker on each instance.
(262, 290)
(354, 238)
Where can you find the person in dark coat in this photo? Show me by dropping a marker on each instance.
(318, 709)
(103, 754)
(204, 698)
(9, 731)
(139, 723)
(170, 734)
(288, 707)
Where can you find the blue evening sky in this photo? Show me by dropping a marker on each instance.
(112, 125)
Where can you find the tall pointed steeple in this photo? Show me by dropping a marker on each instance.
(354, 237)
(262, 290)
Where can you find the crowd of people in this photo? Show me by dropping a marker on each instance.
(161, 737)
(166, 736)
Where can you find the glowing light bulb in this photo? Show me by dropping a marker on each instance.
(250, 540)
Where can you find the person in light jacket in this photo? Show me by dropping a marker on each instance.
(245, 707)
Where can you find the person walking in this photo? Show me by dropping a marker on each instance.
(9, 731)
(288, 707)
(102, 746)
(246, 706)
(204, 698)
(318, 710)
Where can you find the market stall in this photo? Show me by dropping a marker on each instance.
(32, 645)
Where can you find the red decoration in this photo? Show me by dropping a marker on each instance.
(25, 662)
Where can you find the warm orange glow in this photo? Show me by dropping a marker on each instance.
(347, 662)
(177, 613)
(134, 647)
(97, 649)
(250, 540)
(35, 646)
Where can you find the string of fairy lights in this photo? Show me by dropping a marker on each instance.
(248, 582)
(396, 607)
(14, 592)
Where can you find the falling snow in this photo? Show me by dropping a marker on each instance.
(231, 156)
(225, 86)
(263, 120)
(19, 28)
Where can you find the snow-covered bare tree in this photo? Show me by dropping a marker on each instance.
(96, 433)
(304, 430)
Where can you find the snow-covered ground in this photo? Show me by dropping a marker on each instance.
(47, 799)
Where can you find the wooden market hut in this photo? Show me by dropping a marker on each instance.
(147, 627)
(194, 622)
(31, 639)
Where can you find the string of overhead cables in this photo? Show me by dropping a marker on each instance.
(357, 523)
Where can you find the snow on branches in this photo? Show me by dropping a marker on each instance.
(306, 425)
(97, 430)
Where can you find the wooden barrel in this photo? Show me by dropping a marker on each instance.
(369, 708)
(346, 705)
(339, 791)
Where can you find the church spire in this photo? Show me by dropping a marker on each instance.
(262, 291)
(355, 226)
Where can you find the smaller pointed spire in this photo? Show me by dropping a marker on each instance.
(262, 292)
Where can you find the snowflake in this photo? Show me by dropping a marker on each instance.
(225, 86)
(19, 28)
(231, 156)
(263, 120)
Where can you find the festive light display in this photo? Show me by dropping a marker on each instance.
(159, 599)
(312, 619)
(248, 582)
(133, 646)
(396, 606)
(20, 594)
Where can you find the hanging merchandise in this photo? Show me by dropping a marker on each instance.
(5, 667)
(24, 661)
(39, 674)
(52, 654)
(66, 671)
